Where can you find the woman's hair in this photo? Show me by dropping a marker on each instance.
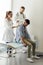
(7, 13)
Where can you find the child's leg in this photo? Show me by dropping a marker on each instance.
(33, 46)
(29, 51)
(29, 47)
(30, 43)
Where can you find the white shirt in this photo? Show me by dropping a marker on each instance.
(20, 17)
(8, 33)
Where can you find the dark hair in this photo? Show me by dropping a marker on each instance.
(27, 21)
(7, 13)
(22, 7)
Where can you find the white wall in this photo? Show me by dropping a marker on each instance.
(34, 11)
(36, 17)
(18, 3)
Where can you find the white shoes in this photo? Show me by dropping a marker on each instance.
(35, 57)
(30, 60)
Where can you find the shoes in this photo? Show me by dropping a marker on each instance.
(30, 60)
(35, 57)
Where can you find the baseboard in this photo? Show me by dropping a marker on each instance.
(39, 54)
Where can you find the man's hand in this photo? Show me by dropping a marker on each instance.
(25, 45)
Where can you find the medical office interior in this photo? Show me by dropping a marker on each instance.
(33, 12)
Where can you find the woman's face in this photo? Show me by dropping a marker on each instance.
(10, 15)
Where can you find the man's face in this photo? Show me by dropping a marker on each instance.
(21, 10)
(25, 24)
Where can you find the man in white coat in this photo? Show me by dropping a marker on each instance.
(20, 16)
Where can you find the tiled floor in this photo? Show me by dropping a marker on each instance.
(19, 59)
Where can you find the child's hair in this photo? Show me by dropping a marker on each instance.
(22, 7)
(7, 13)
(27, 21)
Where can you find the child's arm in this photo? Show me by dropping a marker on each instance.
(15, 26)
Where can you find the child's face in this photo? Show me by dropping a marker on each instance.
(10, 15)
(25, 23)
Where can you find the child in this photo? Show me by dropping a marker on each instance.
(8, 34)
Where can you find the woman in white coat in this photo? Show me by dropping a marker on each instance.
(8, 34)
